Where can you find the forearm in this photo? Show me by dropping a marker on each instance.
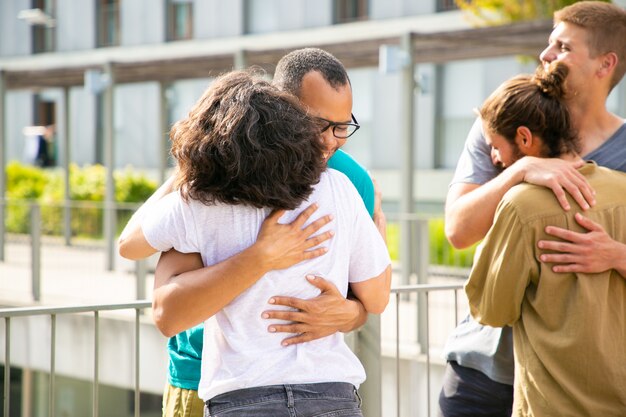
(184, 300)
(355, 315)
(374, 293)
(470, 208)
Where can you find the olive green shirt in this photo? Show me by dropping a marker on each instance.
(569, 329)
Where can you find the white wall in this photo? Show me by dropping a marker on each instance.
(280, 15)
(217, 18)
(15, 34)
(142, 22)
(76, 25)
(385, 9)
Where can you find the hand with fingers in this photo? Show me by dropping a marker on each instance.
(318, 317)
(560, 176)
(284, 245)
(589, 252)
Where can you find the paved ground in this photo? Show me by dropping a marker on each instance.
(69, 275)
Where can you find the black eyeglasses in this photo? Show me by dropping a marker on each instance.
(341, 130)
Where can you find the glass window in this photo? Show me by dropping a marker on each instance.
(44, 33)
(179, 19)
(108, 15)
(350, 10)
(445, 5)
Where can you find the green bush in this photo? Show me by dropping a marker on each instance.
(441, 252)
(86, 184)
(23, 183)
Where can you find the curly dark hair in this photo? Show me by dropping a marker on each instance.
(292, 68)
(537, 102)
(246, 142)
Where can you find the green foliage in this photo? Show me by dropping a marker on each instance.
(23, 183)
(441, 252)
(498, 12)
(86, 184)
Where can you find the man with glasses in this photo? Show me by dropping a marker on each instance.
(321, 83)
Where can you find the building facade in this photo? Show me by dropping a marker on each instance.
(446, 96)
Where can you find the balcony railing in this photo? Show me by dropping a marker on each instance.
(405, 333)
(53, 312)
(420, 305)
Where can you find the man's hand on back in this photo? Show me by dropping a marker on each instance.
(560, 176)
(318, 317)
(589, 252)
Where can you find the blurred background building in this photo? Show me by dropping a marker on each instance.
(77, 36)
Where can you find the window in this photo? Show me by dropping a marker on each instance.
(179, 20)
(445, 5)
(44, 32)
(350, 10)
(108, 24)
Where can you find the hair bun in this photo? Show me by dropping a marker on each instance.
(552, 81)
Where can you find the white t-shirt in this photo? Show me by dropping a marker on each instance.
(239, 352)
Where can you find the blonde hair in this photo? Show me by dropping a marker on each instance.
(605, 24)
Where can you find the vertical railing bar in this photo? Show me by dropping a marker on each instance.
(51, 387)
(7, 365)
(95, 368)
(456, 307)
(35, 244)
(137, 329)
(426, 293)
(398, 354)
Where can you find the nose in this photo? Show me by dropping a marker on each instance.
(495, 159)
(547, 55)
(328, 139)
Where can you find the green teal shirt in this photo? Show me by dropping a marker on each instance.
(185, 349)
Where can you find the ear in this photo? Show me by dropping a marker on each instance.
(608, 63)
(524, 139)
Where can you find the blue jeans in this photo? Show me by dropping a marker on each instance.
(470, 393)
(333, 399)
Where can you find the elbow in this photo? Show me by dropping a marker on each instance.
(456, 236)
(378, 307)
(125, 250)
(162, 320)
(379, 303)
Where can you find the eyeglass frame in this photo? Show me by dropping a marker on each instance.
(334, 125)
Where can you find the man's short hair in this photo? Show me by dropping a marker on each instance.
(292, 68)
(246, 142)
(605, 24)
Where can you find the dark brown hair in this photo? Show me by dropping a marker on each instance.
(246, 142)
(537, 102)
(605, 25)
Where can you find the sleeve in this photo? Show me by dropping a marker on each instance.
(503, 268)
(369, 256)
(358, 176)
(475, 165)
(170, 224)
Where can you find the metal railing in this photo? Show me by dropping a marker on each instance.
(423, 292)
(36, 233)
(52, 312)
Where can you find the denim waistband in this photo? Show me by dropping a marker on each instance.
(285, 393)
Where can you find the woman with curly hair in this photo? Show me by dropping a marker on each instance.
(245, 152)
